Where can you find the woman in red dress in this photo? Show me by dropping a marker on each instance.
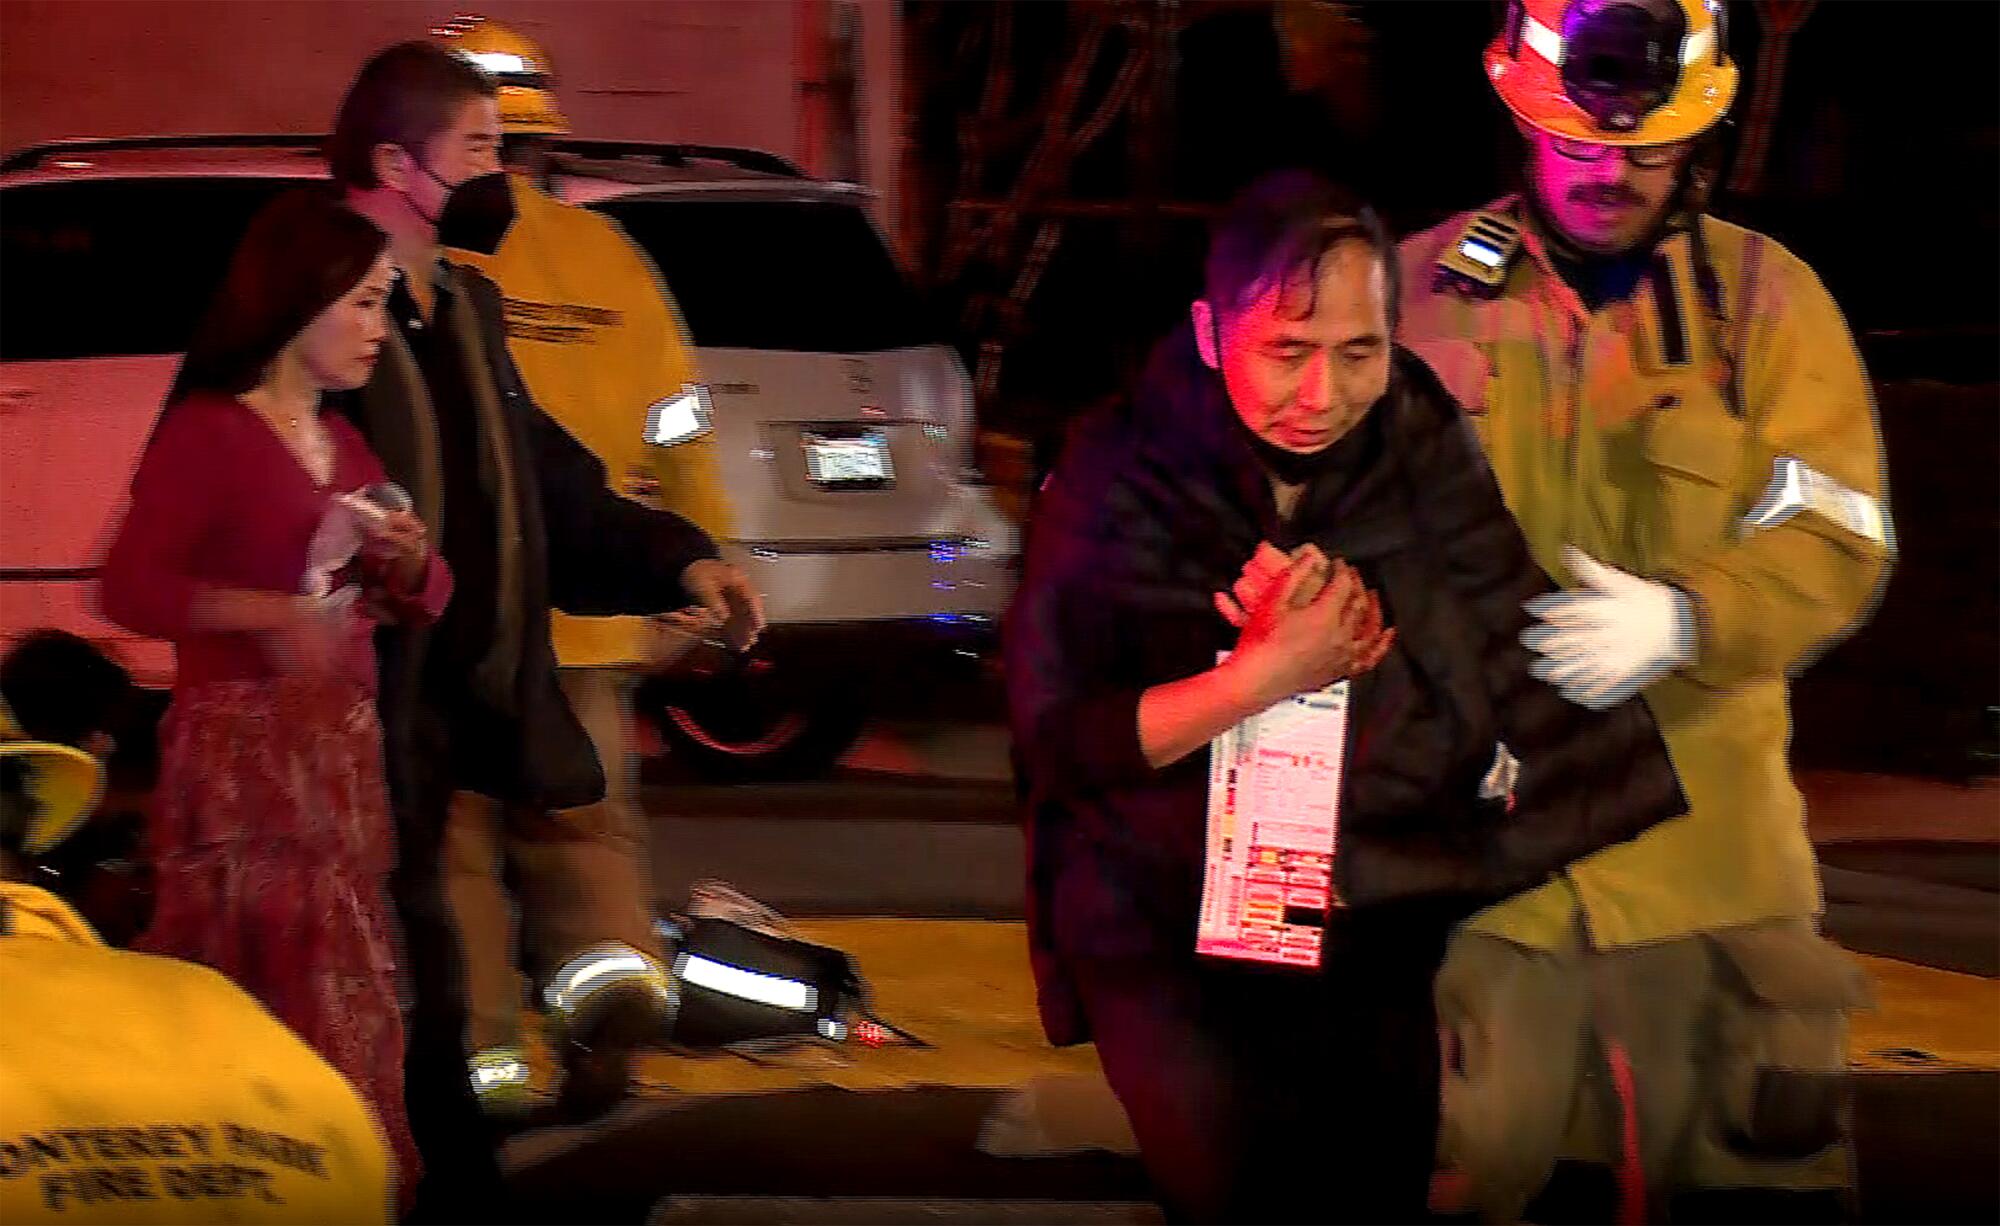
(262, 541)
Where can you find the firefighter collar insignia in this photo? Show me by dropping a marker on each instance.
(1475, 263)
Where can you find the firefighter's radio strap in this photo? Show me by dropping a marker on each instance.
(1273, 824)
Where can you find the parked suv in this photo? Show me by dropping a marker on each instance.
(846, 429)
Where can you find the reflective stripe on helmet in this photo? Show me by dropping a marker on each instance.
(744, 984)
(1543, 41)
(502, 64)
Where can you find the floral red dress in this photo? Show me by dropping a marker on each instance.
(271, 822)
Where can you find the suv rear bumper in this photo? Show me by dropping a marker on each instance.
(946, 665)
(938, 582)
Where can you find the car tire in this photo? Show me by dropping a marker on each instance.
(734, 729)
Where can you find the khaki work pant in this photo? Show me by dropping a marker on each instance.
(581, 876)
(1736, 1041)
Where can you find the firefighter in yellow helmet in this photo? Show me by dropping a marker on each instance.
(1680, 422)
(142, 1089)
(599, 342)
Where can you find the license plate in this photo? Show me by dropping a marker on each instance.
(849, 462)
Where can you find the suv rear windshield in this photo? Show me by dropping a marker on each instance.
(777, 274)
(104, 267)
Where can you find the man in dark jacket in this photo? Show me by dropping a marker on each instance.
(522, 513)
(1283, 419)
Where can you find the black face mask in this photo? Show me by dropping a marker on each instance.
(476, 212)
(1295, 467)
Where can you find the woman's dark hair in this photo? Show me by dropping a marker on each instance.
(299, 256)
(404, 95)
(1277, 232)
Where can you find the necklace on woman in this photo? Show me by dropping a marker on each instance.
(306, 439)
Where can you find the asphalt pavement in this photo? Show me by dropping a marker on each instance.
(919, 825)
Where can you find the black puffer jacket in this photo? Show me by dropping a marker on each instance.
(1157, 505)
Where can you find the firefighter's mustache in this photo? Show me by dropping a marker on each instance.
(1606, 194)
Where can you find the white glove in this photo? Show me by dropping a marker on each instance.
(1617, 634)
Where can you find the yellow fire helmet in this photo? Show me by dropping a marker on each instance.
(521, 67)
(65, 783)
(1615, 72)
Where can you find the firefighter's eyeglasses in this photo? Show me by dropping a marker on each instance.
(1645, 157)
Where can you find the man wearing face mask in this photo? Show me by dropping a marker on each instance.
(1682, 427)
(598, 341)
(524, 514)
(1281, 423)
